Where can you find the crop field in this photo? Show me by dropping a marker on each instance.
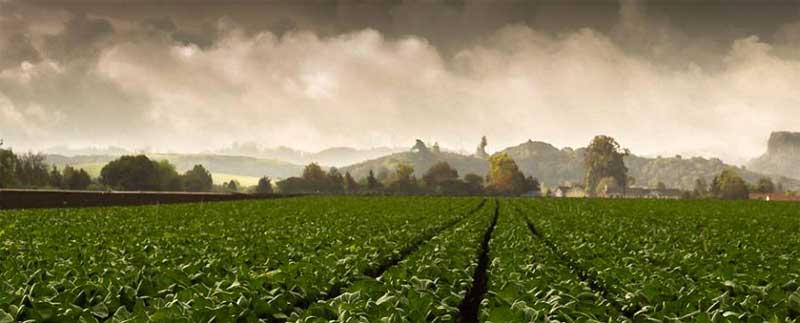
(404, 259)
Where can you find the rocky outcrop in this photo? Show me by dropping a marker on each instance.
(782, 156)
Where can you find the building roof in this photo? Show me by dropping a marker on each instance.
(774, 197)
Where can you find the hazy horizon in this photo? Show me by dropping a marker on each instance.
(704, 78)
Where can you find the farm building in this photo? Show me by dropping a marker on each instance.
(569, 191)
(774, 197)
(640, 193)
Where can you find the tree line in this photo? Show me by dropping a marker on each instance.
(504, 178)
(30, 170)
(139, 173)
(604, 164)
(128, 173)
(605, 168)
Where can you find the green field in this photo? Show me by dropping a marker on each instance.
(93, 169)
(404, 259)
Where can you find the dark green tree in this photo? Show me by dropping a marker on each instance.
(443, 179)
(56, 180)
(76, 179)
(604, 158)
(335, 181)
(8, 166)
(168, 177)
(439, 173)
(232, 186)
(315, 178)
(32, 170)
(532, 184)
(264, 186)
(350, 184)
(474, 184)
(293, 185)
(373, 185)
(131, 173)
(198, 179)
(729, 185)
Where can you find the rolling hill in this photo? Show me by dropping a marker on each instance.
(244, 169)
(555, 166)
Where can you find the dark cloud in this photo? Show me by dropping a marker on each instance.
(675, 75)
(83, 38)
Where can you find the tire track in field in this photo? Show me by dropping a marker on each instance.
(375, 272)
(470, 306)
(595, 283)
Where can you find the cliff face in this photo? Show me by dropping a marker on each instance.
(782, 157)
(784, 143)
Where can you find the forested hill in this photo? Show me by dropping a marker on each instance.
(421, 161)
(551, 165)
(555, 166)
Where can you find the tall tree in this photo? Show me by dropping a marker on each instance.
(604, 158)
(350, 184)
(56, 180)
(232, 186)
(373, 185)
(8, 165)
(198, 179)
(168, 177)
(32, 170)
(315, 178)
(505, 176)
(264, 186)
(335, 181)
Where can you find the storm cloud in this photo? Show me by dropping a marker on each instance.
(382, 73)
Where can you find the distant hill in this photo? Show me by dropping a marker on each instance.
(553, 166)
(224, 167)
(782, 156)
(87, 151)
(421, 163)
(336, 156)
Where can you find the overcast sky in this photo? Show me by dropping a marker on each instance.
(694, 77)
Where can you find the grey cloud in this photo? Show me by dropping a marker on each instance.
(370, 73)
(82, 38)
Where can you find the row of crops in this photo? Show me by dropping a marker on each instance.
(403, 259)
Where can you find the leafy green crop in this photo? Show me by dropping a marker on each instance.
(404, 259)
(227, 261)
(682, 260)
(426, 287)
(528, 283)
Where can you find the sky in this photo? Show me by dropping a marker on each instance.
(707, 78)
